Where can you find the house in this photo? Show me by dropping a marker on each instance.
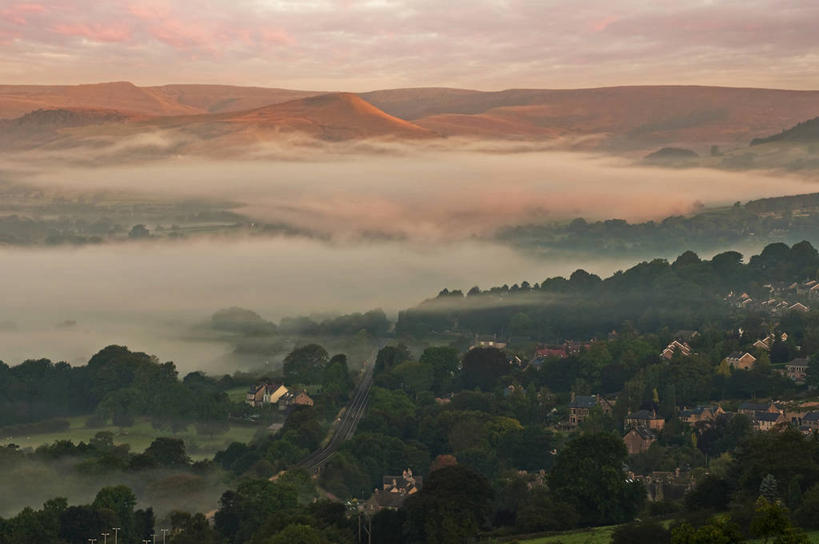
(811, 421)
(765, 343)
(638, 440)
(579, 408)
(265, 393)
(751, 408)
(766, 421)
(797, 370)
(646, 419)
(302, 399)
(487, 342)
(676, 346)
(701, 414)
(798, 307)
(273, 392)
(255, 395)
(740, 360)
(395, 490)
(814, 291)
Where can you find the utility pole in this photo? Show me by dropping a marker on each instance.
(92, 540)
(116, 532)
(164, 532)
(105, 538)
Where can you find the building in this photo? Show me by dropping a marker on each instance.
(302, 399)
(265, 393)
(579, 408)
(646, 419)
(797, 370)
(811, 421)
(766, 421)
(638, 440)
(395, 490)
(674, 347)
(751, 408)
(701, 414)
(798, 307)
(741, 360)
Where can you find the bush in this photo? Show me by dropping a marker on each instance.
(647, 532)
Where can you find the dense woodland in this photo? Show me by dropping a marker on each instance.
(790, 218)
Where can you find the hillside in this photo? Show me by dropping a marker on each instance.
(807, 131)
(622, 117)
(329, 117)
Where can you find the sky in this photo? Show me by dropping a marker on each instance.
(359, 45)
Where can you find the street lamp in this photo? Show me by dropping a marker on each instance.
(116, 532)
(92, 540)
(164, 532)
(105, 537)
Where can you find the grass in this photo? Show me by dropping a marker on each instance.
(595, 535)
(140, 437)
(602, 535)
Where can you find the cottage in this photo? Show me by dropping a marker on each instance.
(797, 370)
(701, 414)
(645, 419)
(395, 490)
(798, 307)
(302, 399)
(811, 421)
(638, 440)
(740, 360)
(579, 408)
(751, 408)
(265, 394)
(676, 346)
(766, 421)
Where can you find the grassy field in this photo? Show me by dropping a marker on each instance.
(596, 535)
(602, 535)
(140, 437)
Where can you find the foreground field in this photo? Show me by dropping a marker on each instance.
(602, 535)
(140, 437)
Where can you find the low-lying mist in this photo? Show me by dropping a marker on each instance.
(428, 194)
(394, 227)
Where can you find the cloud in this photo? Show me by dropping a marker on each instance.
(359, 45)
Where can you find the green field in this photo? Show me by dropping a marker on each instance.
(596, 535)
(602, 535)
(140, 437)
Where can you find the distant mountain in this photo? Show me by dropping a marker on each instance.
(807, 131)
(619, 119)
(670, 154)
(328, 117)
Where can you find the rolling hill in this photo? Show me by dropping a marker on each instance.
(631, 120)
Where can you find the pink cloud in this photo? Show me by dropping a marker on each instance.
(602, 24)
(18, 13)
(97, 32)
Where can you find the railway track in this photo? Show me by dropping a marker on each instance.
(348, 424)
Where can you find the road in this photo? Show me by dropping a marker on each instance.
(347, 426)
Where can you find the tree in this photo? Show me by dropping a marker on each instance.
(304, 365)
(451, 507)
(588, 474)
(297, 534)
(647, 532)
(718, 531)
(444, 363)
(770, 520)
(168, 452)
(768, 488)
(482, 367)
(121, 501)
(391, 356)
